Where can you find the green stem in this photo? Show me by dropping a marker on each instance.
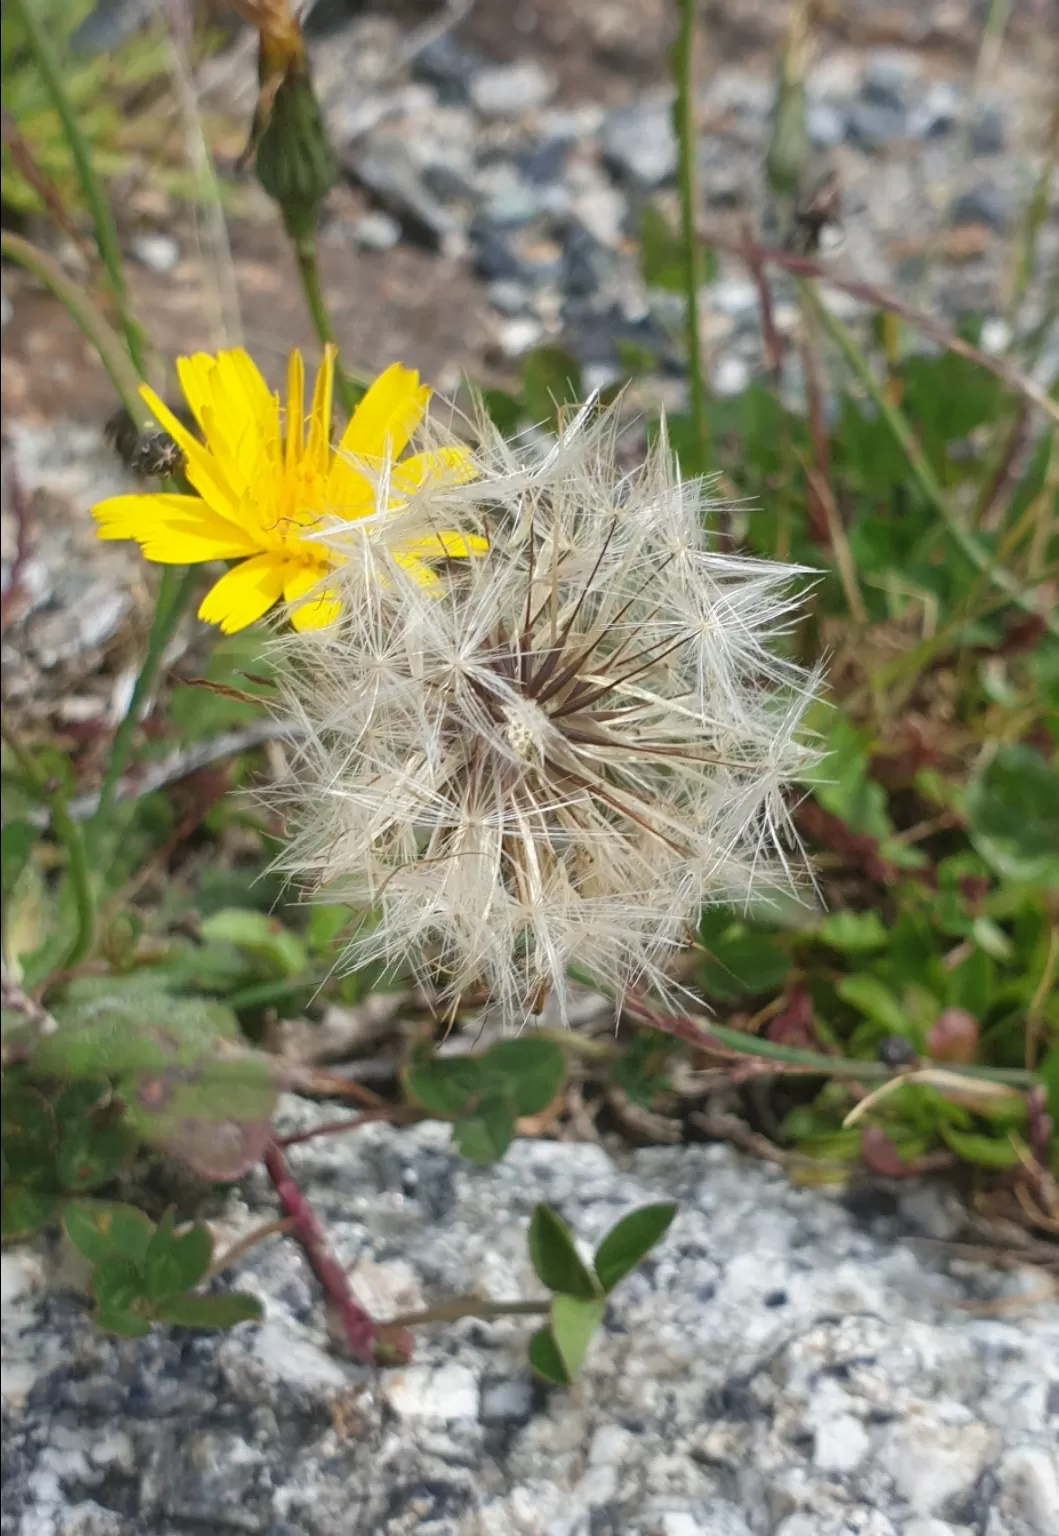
(79, 306)
(349, 392)
(705, 1035)
(918, 463)
(102, 220)
(174, 594)
(72, 839)
(469, 1306)
(683, 69)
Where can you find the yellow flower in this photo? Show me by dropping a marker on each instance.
(266, 484)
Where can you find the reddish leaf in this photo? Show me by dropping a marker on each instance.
(217, 1149)
(793, 1025)
(882, 1157)
(953, 1036)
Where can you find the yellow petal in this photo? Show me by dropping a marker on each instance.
(205, 472)
(446, 544)
(295, 419)
(318, 449)
(441, 466)
(420, 573)
(386, 417)
(195, 375)
(323, 609)
(246, 414)
(173, 530)
(245, 592)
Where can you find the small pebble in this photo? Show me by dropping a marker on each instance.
(509, 90)
(158, 253)
(376, 231)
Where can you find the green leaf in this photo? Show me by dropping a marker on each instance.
(875, 1000)
(116, 1035)
(741, 960)
(1013, 816)
(853, 933)
(176, 1261)
(259, 935)
(29, 1134)
(485, 1134)
(25, 1211)
(91, 1152)
(985, 1151)
(504, 410)
(530, 1070)
(545, 1359)
(77, 1098)
(222, 1311)
(661, 252)
(118, 1320)
(101, 1229)
(627, 1243)
(574, 1321)
(118, 1284)
(551, 377)
(554, 1257)
(187, 1083)
(444, 1085)
(326, 921)
(17, 840)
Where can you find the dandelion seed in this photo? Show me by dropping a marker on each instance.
(267, 487)
(560, 758)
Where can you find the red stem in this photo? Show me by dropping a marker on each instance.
(361, 1331)
(395, 1114)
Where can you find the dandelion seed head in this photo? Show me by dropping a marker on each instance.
(564, 749)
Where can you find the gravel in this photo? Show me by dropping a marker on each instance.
(783, 1364)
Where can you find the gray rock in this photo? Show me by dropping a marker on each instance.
(509, 90)
(988, 130)
(638, 141)
(824, 125)
(376, 231)
(449, 65)
(937, 114)
(517, 204)
(383, 166)
(585, 262)
(495, 260)
(510, 297)
(890, 77)
(875, 124)
(543, 164)
(865, 1403)
(987, 202)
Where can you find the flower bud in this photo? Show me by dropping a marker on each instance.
(295, 162)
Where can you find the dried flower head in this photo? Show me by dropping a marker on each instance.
(559, 757)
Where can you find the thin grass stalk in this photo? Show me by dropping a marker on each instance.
(103, 227)
(880, 298)
(1036, 213)
(684, 109)
(85, 314)
(917, 462)
(705, 1035)
(221, 294)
